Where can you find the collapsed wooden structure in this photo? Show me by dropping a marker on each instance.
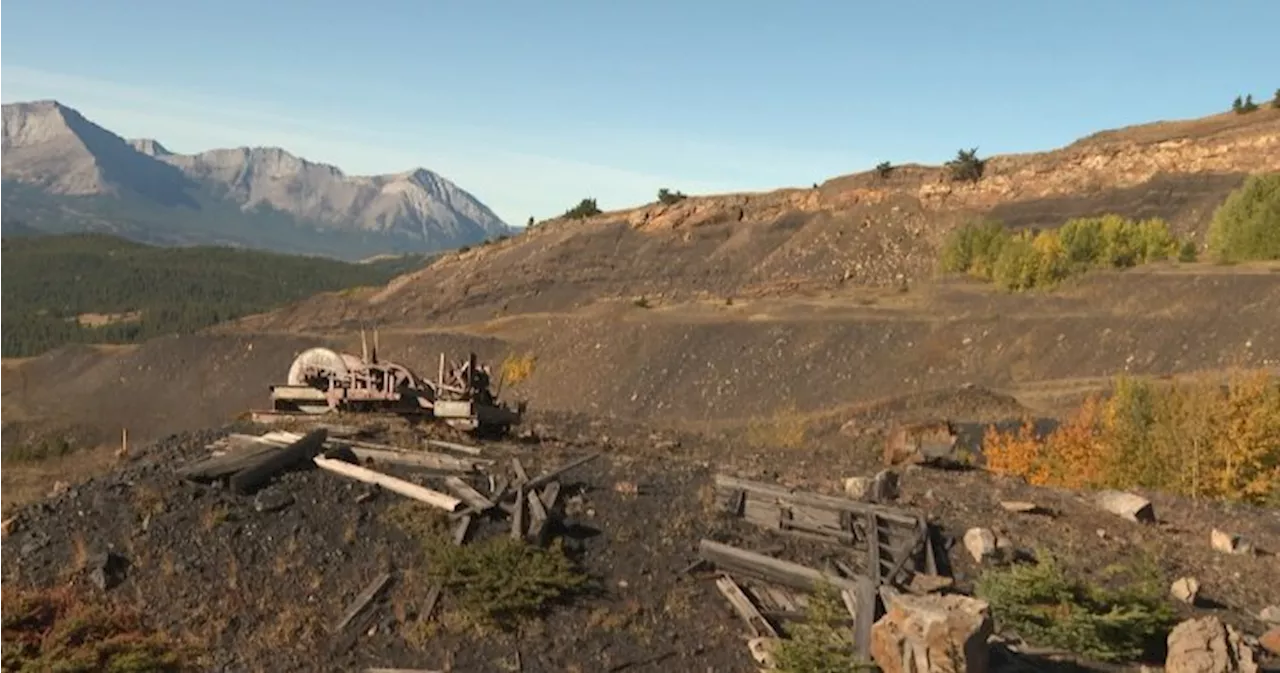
(892, 544)
(246, 463)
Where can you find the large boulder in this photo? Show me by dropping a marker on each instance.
(931, 443)
(935, 633)
(1206, 645)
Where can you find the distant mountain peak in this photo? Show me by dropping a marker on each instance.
(149, 147)
(53, 148)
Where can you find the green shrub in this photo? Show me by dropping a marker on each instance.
(1046, 607)
(973, 248)
(585, 208)
(884, 169)
(668, 197)
(1247, 225)
(1030, 259)
(823, 643)
(967, 167)
(501, 580)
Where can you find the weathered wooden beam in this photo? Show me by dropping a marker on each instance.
(425, 459)
(745, 608)
(268, 465)
(517, 515)
(518, 467)
(548, 477)
(453, 446)
(537, 517)
(786, 573)
(363, 599)
(550, 495)
(474, 499)
(728, 485)
(461, 528)
(242, 453)
(409, 490)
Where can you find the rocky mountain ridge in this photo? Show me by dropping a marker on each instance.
(69, 163)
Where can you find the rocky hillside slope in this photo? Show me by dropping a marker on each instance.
(63, 172)
(862, 229)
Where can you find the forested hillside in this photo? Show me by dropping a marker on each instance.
(95, 288)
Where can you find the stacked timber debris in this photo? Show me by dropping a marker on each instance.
(886, 550)
(466, 486)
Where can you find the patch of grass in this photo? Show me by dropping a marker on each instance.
(1045, 606)
(38, 450)
(59, 630)
(786, 429)
(500, 581)
(823, 643)
(1198, 438)
(1026, 259)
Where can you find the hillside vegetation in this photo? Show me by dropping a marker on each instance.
(95, 288)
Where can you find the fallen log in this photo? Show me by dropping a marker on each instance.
(474, 499)
(363, 600)
(548, 477)
(267, 465)
(409, 490)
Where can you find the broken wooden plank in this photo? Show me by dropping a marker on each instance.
(550, 495)
(548, 477)
(537, 517)
(433, 461)
(867, 594)
(474, 499)
(522, 477)
(453, 446)
(786, 573)
(517, 515)
(266, 466)
(363, 599)
(241, 454)
(461, 528)
(433, 598)
(409, 490)
(745, 608)
(403, 670)
(728, 486)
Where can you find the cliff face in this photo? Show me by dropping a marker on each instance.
(863, 229)
(1227, 145)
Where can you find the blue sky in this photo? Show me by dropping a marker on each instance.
(533, 105)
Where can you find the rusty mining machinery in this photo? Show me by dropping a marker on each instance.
(323, 381)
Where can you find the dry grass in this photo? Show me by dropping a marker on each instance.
(60, 630)
(786, 429)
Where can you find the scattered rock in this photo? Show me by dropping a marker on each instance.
(272, 500)
(1270, 614)
(981, 543)
(1186, 589)
(1228, 543)
(59, 487)
(932, 633)
(1270, 641)
(108, 570)
(762, 650)
(922, 583)
(1127, 505)
(1020, 506)
(6, 526)
(932, 443)
(881, 488)
(1206, 645)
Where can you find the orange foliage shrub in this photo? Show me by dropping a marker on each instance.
(1199, 439)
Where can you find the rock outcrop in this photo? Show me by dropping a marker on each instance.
(1206, 645)
(935, 633)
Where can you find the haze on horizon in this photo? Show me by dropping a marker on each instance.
(533, 107)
